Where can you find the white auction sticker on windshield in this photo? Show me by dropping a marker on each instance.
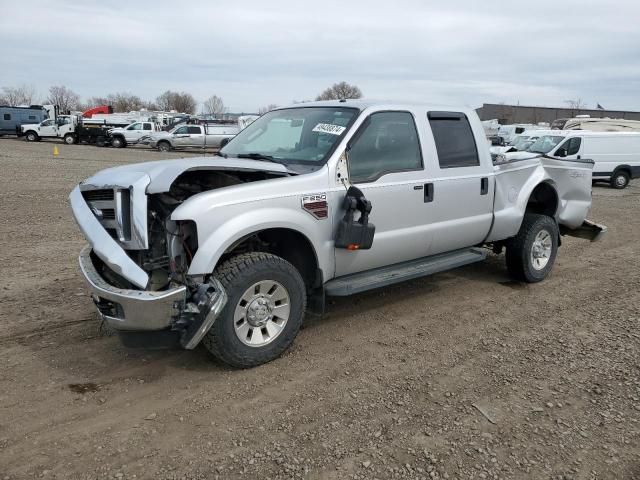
(329, 128)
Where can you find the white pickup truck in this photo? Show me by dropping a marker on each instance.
(325, 198)
(194, 136)
(132, 134)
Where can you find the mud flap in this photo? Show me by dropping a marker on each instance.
(355, 234)
(588, 230)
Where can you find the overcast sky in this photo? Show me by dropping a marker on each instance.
(252, 53)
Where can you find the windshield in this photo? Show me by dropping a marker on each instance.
(545, 144)
(305, 135)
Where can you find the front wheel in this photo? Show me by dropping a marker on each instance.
(164, 146)
(117, 142)
(69, 139)
(531, 253)
(31, 136)
(264, 310)
(620, 180)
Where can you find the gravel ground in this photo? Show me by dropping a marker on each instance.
(460, 375)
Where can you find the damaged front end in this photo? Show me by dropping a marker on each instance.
(138, 258)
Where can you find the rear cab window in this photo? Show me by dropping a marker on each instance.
(454, 139)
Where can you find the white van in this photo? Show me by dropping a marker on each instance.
(616, 154)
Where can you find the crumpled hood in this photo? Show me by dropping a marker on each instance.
(161, 174)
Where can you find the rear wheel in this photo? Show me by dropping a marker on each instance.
(531, 253)
(31, 136)
(117, 142)
(264, 310)
(620, 179)
(164, 146)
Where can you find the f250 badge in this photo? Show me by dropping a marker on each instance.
(576, 174)
(316, 205)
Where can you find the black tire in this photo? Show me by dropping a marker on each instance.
(237, 275)
(619, 179)
(69, 139)
(31, 137)
(118, 142)
(101, 141)
(520, 263)
(164, 146)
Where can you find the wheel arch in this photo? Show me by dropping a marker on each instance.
(543, 199)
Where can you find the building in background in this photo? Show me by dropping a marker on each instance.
(510, 114)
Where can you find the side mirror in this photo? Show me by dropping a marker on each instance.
(561, 153)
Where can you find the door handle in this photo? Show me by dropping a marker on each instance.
(428, 192)
(484, 186)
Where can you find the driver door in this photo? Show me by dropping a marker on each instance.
(48, 128)
(181, 137)
(385, 163)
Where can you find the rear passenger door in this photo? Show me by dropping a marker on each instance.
(196, 136)
(385, 162)
(462, 185)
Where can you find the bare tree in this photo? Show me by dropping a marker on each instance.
(121, 102)
(576, 104)
(268, 108)
(340, 91)
(65, 98)
(180, 101)
(14, 96)
(214, 105)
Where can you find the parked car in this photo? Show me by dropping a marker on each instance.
(132, 134)
(325, 198)
(193, 136)
(616, 154)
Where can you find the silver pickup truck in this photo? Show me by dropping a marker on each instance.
(326, 198)
(193, 136)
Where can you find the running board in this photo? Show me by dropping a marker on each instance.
(381, 277)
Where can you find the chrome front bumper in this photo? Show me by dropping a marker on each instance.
(131, 310)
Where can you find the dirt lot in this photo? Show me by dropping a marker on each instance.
(461, 375)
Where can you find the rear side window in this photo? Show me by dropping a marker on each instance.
(147, 126)
(7, 116)
(454, 139)
(193, 129)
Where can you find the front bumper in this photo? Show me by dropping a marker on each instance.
(131, 310)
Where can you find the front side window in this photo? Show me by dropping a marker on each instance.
(386, 142)
(455, 143)
(304, 135)
(573, 146)
(47, 123)
(181, 131)
(135, 126)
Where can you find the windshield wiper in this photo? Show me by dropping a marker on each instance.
(259, 156)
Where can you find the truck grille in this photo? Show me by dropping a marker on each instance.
(112, 208)
(98, 195)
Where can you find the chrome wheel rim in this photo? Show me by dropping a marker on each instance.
(621, 180)
(262, 313)
(541, 250)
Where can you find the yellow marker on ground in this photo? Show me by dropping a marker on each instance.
(55, 151)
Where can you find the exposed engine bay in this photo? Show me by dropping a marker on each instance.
(172, 245)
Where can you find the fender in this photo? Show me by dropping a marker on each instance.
(509, 211)
(211, 248)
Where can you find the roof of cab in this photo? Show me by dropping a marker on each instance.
(361, 104)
